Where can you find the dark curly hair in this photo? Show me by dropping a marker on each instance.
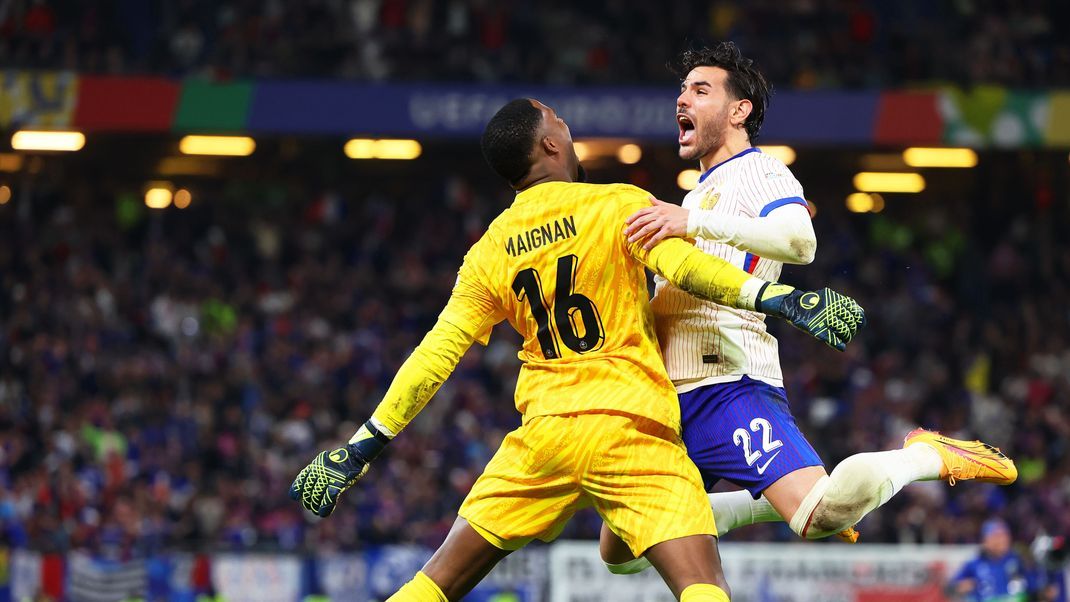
(509, 139)
(744, 79)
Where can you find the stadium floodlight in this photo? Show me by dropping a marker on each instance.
(5, 194)
(182, 198)
(865, 202)
(688, 179)
(786, 154)
(364, 148)
(940, 157)
(158, 196)
(629, 154)
(877, 181)
(397, 149)
(859, 202)
(37, 140)
(360, 148)
(220, 146)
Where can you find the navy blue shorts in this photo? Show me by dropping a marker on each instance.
(743, 432)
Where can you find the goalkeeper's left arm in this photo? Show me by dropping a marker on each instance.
(823, 314)
(320, 483)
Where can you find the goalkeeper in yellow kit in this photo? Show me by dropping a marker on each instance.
(601, 420)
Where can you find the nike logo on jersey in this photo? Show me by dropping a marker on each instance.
(761, 469)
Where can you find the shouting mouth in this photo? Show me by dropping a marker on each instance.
(687, 129)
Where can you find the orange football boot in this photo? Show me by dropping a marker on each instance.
(966, 460)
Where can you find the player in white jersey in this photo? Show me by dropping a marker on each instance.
(750, 210)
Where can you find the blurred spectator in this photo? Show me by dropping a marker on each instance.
(799, 44)
(1053, 557)
(998, 574)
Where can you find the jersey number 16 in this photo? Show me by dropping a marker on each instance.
(569, 309)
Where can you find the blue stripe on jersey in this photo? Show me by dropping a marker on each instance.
(752, 149)
(769, 207)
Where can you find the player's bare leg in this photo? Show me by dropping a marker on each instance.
(615, 553)
(689, 565)
(685, 562)
(459, 564)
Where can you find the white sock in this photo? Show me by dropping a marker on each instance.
(736, 509)
(918, 462)
(926, 462)
(900, 467)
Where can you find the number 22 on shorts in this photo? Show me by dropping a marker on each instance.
(742, 438)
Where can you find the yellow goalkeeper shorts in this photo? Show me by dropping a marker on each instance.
(634, 471)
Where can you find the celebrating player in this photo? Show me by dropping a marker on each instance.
(749, 210)
(600, 417)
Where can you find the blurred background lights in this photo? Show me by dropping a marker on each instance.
(629, 154)
(158, 197)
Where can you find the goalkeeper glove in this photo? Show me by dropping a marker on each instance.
(319, 484)
(824, 314)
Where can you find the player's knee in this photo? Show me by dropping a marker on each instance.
(833, 516)
(853, 490)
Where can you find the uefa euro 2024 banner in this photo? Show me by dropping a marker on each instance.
(981, 116)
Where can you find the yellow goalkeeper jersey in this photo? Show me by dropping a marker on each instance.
(558, 267)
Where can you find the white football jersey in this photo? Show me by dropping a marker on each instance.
(703, 342)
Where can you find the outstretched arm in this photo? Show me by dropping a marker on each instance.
(421, 375)
(785, 234)
(469, 316)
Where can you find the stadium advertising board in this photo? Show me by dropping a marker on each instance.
(781, 573)
(566, 571)
(257, 578)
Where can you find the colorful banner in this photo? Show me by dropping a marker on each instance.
(994, 116)
(125, 104)
(909, 118)
(982, 116)
(213, 107)
(40, 99)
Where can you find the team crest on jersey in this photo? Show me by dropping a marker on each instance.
(709, 201)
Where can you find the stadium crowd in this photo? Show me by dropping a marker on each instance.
(798, 43)
(163, 375)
